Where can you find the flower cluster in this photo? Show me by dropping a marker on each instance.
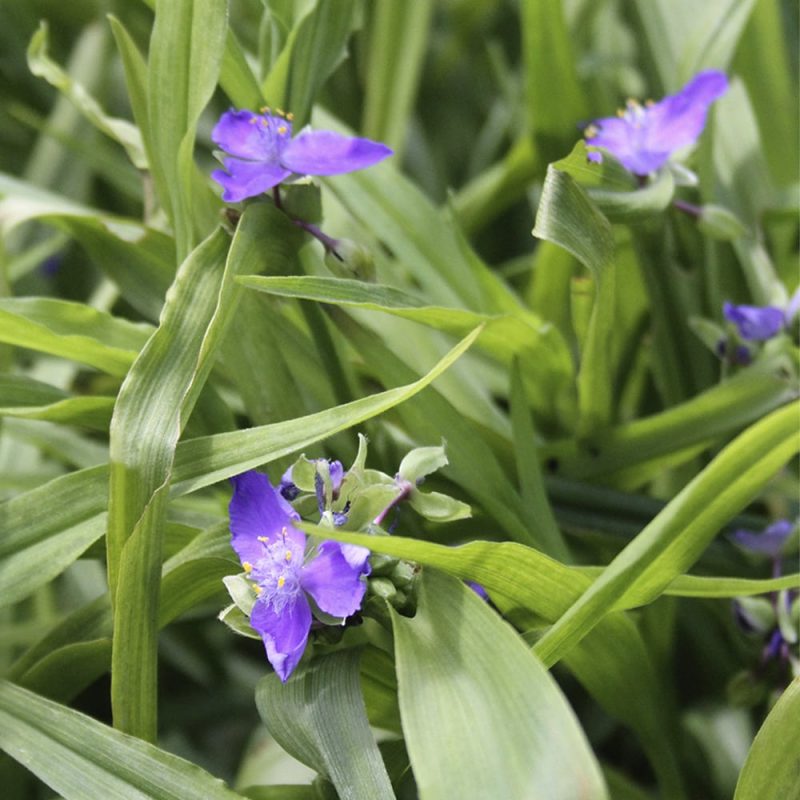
(643, 138)
(262, 152)
(287, 576)
(290, 585)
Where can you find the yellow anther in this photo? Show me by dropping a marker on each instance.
(590, 131)
(280, 112)
(264, 109)
(281, 582)
(247, 566)
(290, 116)
(264, 539)
(288, 555)
(253, 120)
(258, 589)
(620, 112)
(282, 129)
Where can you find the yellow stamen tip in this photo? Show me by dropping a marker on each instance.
(281, 582)
(282, 129)
(264, 539)
(258, 589)
(288, 555)
(247, 566)
(590, 132)
(290, 116)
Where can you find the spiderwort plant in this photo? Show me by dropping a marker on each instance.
(286, 575)
(643, 138)
(261, 152)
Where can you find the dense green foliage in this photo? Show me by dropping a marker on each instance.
(597, 411)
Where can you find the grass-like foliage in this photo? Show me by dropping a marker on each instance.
(385, 416)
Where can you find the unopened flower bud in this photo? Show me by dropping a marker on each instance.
(383, 588)
(382, 564)
(350, 260)
(719, 223)
(403, 574)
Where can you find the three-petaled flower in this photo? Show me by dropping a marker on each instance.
(263, 152)
(287, 578)
(643, 138)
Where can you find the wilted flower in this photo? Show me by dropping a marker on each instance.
(264, 153)
(643, 138)
(285, 577)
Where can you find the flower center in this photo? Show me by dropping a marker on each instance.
(276, 131)
(277, 574)
(633, 113)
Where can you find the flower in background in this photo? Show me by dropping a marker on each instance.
(755, 323)
(770, 542)
(759, 323)
(285, 577)
(643, 138)
(264, 153)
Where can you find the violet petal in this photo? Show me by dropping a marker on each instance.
(329, 153)
(285, 634)
(333, 582)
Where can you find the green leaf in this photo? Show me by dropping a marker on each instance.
(140, 260)
(82, 759)
(186, 48)
(314, 49)
(23, 571)
(152, 408)
(72, 330)
(529, 472)
(318, 716)
(567, 217)
(684, 39)
(550, 61)
(424, 239)
(25, 398)
(396, 46)
(544, 357)
(672, 542)
(707, 417)
(206, 460)
(770, 771)
(481, 716)
(121, 130)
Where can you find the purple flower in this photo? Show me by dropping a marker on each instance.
(755, 323)
(285, 577)
(770, 542)
(643, 138)
(264, 153)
